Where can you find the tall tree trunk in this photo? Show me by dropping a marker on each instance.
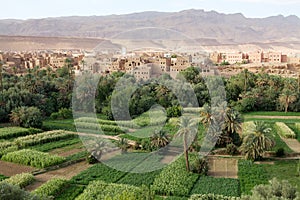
(186, 154)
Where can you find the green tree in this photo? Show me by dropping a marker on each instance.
(187, 129)
(26, 117)
(286, 98)
(257, 141)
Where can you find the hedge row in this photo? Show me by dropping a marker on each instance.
(6, 147)
(21, 180)
(95, 128)
(51, 187)
(33, 158)
(13, 132)
(283, 130)
(50, 136)
(112, 191)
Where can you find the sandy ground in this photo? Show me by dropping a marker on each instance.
(223, 167)
(10, 169)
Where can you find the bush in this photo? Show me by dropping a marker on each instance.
(33, 158)
(280, 152)
(200, 166)
(51, 187)
(174, 111)
(63, 113)
(21, 180)
(27, 117)
(283, 130)
(13, 192)
(231, 149)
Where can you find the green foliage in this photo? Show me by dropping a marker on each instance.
(220, 186)
(96, 128)
(33, 158)
(2, 177)
(284, 130)
(275, 190)
(102, 190)
(63, 113)
(138, 179)
(13, 132)
(174, 180)
(70, 192)
(231, 149)
(200, 166)
(42, 138)
(174, 111)
(98, 172)
(91, 159)
(27, 117)
(250, 175)
(13, 192)
(212, 197)
(6, 147)
(56, 144)
(51, 187)
(21, 180)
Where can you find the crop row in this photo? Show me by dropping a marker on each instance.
(212, 197)
(96, 128)
(112, 191)
(42, 138)
(138, 179)
(51, 187)
(193, 110)
(21, 180)
(283, 130)
(98, 172)
(220, 186)
(297, 126)
(175, 180)
(33, 158)
(250, 175)
(6, 147)
(13, 132)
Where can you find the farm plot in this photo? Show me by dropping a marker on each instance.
(223, 167)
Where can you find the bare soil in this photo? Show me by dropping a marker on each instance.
(223, 167)
(65, 172)
(10, 169)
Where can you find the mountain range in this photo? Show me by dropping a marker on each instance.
(208, 27)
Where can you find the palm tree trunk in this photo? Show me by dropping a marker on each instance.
(186, 154)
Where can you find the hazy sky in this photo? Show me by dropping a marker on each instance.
(25, 9)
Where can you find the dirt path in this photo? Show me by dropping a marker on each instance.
(223, 167)
(10, 169)
(66, 172)
(272, 117)
(293, 144)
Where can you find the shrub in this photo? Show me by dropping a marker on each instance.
(231, 149)
(284, 130)
(280, 152)
(27, 117)
(13, 192)
(33, 158)
(174, 111)
(51, 187)
(6, 147)
(200, 166)
(21, 180)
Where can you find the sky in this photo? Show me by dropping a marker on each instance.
(28, 9)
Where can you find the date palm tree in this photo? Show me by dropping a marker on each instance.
(286, 98)
(257, 141)
(188, 128)
(160, 139)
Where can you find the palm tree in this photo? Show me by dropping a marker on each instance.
(286, 98)
(257, 141)
(160, 139)
(123, 144)
(187, 129)
(206, 116)
(233, 121)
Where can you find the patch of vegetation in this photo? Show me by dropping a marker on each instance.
(56, 144)
(21, 180)
(51, 187)
(138, 179)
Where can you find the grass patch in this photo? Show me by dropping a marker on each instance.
(70, 192)
(295, 129)
(138, 179)
(77, 156)
(278, 141)
(272, 113)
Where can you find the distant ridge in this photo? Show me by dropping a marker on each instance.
(198, 24)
